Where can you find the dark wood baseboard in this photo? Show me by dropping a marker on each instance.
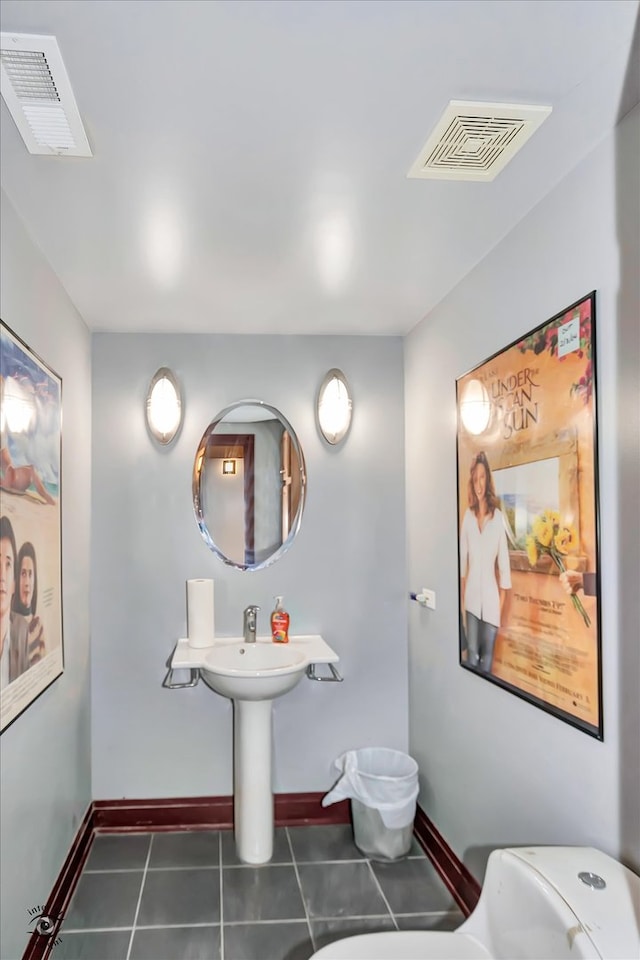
(216, 813)
(209, 813)
(464, 888)
(306, 810)
(40, 946)
(179, 813)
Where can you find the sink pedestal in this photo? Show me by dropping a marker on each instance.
(252, 675)
(252, 795)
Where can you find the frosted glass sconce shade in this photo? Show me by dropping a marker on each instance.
(475, 408)
(164, 406)
(228, 468)
(334, 407)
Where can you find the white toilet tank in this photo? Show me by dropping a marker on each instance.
(541, 902)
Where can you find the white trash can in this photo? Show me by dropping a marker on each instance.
(373, 839)
(383, 787)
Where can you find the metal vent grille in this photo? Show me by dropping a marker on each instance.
(474, 141)
(37, 91)
(29, 73)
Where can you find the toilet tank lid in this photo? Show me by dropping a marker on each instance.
(610, 916)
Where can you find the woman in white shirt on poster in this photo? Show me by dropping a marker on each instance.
(485, 574)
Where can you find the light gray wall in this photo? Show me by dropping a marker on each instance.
(496, 770)
(344, 577)
(45, 771)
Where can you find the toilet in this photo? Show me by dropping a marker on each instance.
(542, 903)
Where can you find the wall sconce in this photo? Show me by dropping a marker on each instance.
(228, 468)
(334, 407)
(475, 408)
(164, 406)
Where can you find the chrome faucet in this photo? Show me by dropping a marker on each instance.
(250, 623)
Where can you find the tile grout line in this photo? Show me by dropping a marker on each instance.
(221, 896)
(245, 923)
(430, 913)
(135, 917)
(140, 926)
(188, 866)
(377, 883)
(304, 902)
(230, 866)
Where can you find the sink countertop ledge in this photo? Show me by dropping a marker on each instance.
(314, 647)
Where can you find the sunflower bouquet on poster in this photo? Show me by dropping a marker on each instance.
(552, 536)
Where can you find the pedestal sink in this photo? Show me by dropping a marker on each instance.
(253, 675)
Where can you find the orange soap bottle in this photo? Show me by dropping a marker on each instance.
(279, 623)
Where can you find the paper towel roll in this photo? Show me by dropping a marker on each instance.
(200, 613)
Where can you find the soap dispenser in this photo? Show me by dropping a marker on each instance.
(279, 623)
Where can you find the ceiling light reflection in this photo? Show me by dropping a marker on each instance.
(163, 244)
(334, 245)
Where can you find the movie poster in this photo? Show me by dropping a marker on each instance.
(527, 519)
(31, 653)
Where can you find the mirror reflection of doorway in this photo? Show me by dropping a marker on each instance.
(291, 485)
(233, 494)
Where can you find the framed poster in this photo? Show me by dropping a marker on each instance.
(31, 652)
(528, 519)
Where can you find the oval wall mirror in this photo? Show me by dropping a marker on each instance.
(249, 485)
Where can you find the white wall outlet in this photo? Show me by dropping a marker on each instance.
(429, 598)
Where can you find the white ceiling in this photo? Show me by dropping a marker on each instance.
(250, 158)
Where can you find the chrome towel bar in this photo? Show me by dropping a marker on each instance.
(334, 678)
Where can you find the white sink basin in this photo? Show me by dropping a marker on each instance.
(254, 671)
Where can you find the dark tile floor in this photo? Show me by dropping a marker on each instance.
(185, 896)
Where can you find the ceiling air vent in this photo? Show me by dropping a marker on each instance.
(474, 141)
(36, 88)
